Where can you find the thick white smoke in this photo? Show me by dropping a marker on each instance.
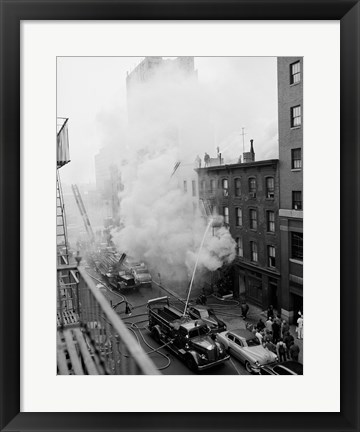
(158, 221)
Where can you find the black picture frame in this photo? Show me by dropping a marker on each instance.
(12, 12)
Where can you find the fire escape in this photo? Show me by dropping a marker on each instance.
(91, 338)
(63, 157)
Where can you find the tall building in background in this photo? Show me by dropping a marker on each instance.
(290, 109)
(103, 160)
(109, 183)
(179, 68)
(187, 179)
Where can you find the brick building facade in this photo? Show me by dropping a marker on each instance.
(290, 109)
(247, 196)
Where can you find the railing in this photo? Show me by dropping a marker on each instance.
(105, 338)
(68, 301)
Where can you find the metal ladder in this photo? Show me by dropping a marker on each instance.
(61, 229)
(83, 213)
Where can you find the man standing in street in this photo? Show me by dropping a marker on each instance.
(270, 312)
(276, 330)
(284, 328)
(300, 327)
(289, 340)
(259, 335)
(260, 325)
(268, 325)
(281, 350)
(244, 309)
(294, 352)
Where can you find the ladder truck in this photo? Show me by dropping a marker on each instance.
(83, 213)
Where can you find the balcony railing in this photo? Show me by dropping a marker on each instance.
(92, 339)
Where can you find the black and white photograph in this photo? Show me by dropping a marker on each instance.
(179, 215)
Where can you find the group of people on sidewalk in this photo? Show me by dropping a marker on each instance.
(275, 335)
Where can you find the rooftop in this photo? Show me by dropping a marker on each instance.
(228, 167)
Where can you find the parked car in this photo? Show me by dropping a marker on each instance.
(207, 314)
(139, 271)
(141, 275)
(245, 346)
(289, 367)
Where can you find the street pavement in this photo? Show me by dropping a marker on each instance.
(227, 310)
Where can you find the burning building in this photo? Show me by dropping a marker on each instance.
(247, 196)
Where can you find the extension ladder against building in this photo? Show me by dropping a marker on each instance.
(83, 213)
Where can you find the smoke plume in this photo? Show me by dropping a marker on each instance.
(159, 224)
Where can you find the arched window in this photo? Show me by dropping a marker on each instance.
(254, 251)
(270, 187)
(237, 187)
(239, 247)
(238, 216)
(252, 187)
(271, 256)
(226, 215)
(253, 219)
(225, 187)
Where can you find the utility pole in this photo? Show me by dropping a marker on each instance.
(243, 137)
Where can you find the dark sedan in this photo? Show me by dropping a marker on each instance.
(288, 367)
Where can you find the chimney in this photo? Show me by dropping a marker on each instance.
(250, 156)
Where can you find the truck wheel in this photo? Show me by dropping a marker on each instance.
(191, 363)
(155, 334)
(248, 367)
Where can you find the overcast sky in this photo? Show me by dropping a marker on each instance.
(91, 92)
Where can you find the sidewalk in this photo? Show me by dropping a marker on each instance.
(253, 316)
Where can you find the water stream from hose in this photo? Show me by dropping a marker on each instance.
(196, 263)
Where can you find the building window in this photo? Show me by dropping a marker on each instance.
(270, 187)
(239, 247)
(210, 208)
(295, 73)
(212, 185)
(225, 187)
(271, 256)
(202, 185)
(296, 116)
(254, 251)
(252, 187)
(237, 187)
(185, 186)
(296, 200)
(296, 158)
(193, 184)
(270, 221)
(226, 215)
(297, 246)
(238, 216)
(253, 219)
